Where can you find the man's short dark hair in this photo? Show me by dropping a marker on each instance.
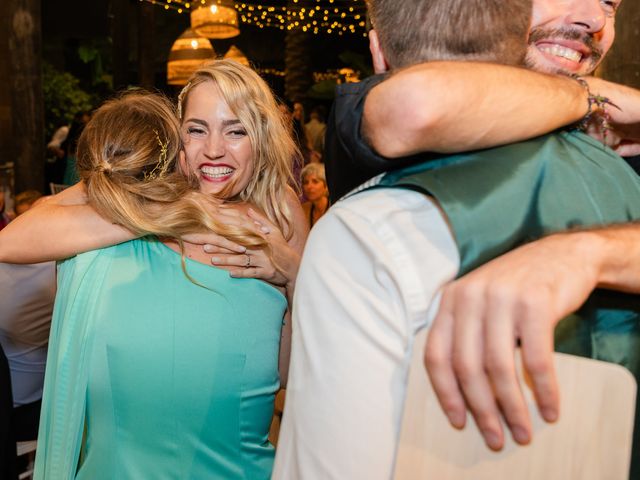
(414, 31)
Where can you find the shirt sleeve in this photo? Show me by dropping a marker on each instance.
(58, 137)
(350, 161)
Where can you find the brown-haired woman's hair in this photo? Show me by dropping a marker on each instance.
(127, 158)
(249, 97)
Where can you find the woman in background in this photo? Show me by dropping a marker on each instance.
(69, 146)
(314, 186)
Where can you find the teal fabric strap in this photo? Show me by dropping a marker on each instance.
(62, 418)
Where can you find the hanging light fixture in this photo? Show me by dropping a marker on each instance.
(187, 54)
(234, 53)
(349, 75)
(215, 19)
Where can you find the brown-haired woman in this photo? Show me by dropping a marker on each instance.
(169, 376)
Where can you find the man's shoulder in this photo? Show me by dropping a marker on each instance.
(358, 88)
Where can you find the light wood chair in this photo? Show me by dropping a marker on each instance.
(27, 448)
(590, 441)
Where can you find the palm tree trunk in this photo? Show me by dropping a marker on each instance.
(118, 13)
(146, 57)
(27, 115)
(298, 74)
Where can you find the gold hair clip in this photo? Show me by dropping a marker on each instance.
(161, 167)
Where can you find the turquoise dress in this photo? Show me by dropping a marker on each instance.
(152, 376)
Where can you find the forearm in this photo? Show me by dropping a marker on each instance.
(519, 298)
(55, 230)
(451, 107)
(616, 254)
(291, 273)
(300, 232)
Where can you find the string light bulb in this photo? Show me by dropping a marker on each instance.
(337, 16)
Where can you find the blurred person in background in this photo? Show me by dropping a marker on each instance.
(316, 128)
(28, 292)
(7, 438)
(54, 147)
(314, 186)
(55, 166)
(298, 112)
(303, 154)
(70, 145)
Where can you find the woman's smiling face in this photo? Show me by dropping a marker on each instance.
(216, 145)
(314, 188)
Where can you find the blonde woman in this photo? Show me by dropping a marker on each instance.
(162, 367)
(314, 186)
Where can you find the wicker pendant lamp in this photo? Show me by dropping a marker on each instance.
(187, 54)
(215, 19)
(234, 53)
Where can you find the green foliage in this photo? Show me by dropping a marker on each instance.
(358, 62)
(325, 89)
(93, 52)
(63, 98)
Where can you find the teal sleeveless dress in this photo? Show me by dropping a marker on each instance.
(150, 375)
(500, 198)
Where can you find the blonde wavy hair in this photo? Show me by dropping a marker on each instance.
(251, 100)
(128, 157)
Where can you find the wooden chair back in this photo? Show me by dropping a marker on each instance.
(590, 441)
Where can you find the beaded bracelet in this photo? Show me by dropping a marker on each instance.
(597, 104)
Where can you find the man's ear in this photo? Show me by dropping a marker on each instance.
(379, 62)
